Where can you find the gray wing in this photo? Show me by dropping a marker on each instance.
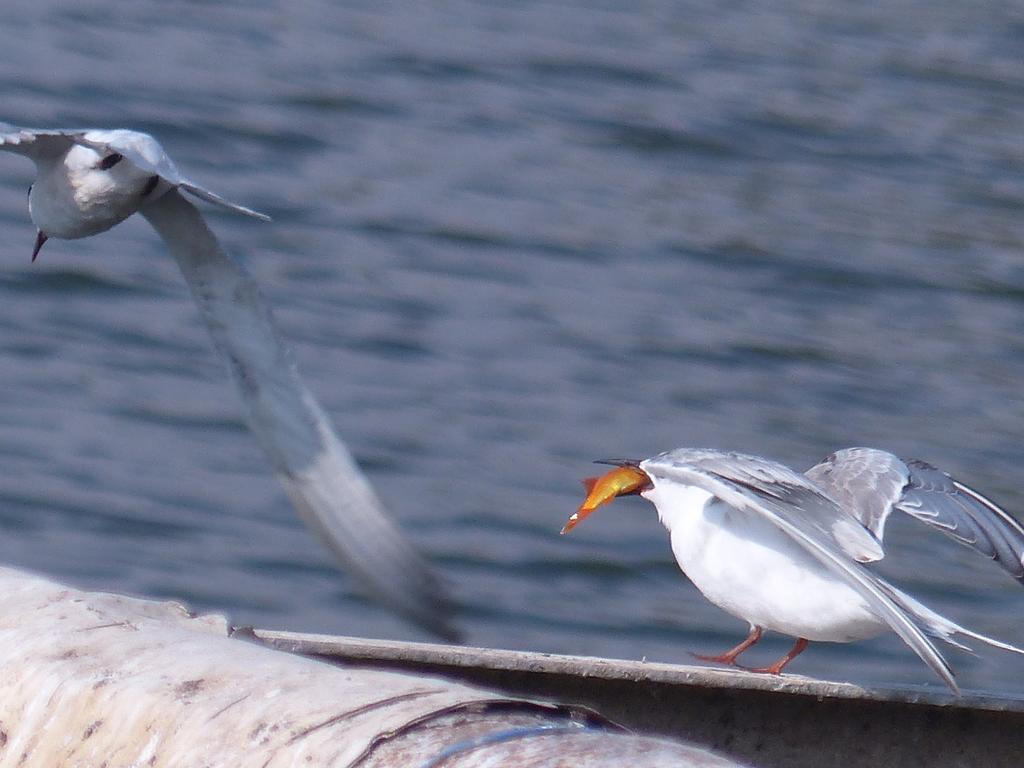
(325, 484)
(37, 142)
(935, 498)
(866, 482)
(802, 500)
(147, 153)
(870, 483)
(141, 149)
(804, 512)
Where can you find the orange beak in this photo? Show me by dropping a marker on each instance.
(621, 481)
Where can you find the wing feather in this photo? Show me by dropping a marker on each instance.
(869, 483)
(800, 496)
(37, 142)
(866, 482)
(965, 515)
(328, 489)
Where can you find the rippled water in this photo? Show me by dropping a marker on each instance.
(510, 239)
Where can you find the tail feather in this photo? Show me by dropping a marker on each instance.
(940, 627)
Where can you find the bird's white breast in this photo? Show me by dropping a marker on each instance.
(747, 566)
(72, 197)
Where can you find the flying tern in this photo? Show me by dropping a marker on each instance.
(86, 182)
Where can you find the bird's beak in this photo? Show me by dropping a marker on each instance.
(41, 237)
(621, 481)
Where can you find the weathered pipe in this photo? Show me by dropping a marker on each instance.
(92, 679)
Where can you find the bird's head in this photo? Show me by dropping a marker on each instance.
(626, 479)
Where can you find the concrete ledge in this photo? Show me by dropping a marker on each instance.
(780, 721)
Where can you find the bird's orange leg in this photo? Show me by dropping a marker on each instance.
(729, 657)
(776, 668)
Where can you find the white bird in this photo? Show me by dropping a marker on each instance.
(785, 552)
(89, 180)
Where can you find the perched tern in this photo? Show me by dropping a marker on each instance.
(785, 552)
(86, 182)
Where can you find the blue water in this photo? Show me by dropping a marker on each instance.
(509, 239)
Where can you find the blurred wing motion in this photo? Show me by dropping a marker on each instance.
(870, 484)
(141, 149)
(813, 520)
(327, 487)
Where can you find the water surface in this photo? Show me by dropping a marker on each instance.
(508, 241)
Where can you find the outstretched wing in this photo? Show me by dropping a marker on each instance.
(799, 499)
(870, 483)
(866, 482)
(37, 142)
(804, 512)
(140, 149)
(935, 498)
(328, 489)
(147, 153)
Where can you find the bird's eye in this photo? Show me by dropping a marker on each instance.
(29, 193)
(110, 161)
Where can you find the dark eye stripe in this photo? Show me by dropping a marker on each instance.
(110, 161)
